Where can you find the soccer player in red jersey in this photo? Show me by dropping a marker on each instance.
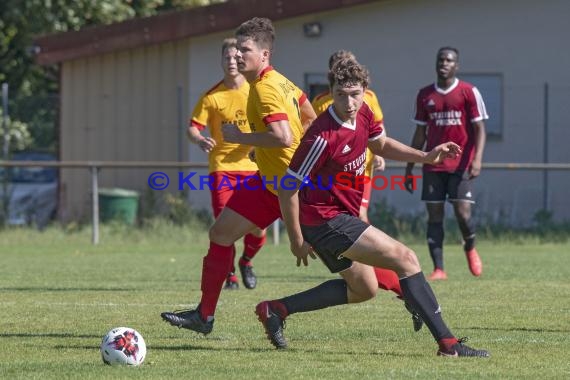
(229, 163)
(324, 221)
(387, 279)
(450, 110)
(320, 104)
(278, 113)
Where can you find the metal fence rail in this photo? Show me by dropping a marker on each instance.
(95, 166)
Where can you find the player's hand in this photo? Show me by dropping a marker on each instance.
(442, 152)
(379, 163)
(475, 169)
(207, 144)
(409, 182)
(231, 133)
(301, 252)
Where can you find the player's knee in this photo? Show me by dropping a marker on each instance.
(408, 260)
(258, 232)
(217, 235)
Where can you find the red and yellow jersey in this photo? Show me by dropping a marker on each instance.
(324, 100)
(272, 97)
(221, 105)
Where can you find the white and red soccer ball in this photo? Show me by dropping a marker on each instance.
(123, 345)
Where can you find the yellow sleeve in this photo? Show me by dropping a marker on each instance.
(372, 100)
(201, 113)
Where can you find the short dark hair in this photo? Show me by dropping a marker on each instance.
(228, 43)
(258, 29)
(346, 72)
(448, 48)
(338, 55)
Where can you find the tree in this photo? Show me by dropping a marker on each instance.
(34, 89)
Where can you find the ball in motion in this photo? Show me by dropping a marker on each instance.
(123, 345)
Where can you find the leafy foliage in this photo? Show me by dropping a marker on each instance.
(33, 88)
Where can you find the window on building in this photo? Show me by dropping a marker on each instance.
(315, 84)
(491, 88)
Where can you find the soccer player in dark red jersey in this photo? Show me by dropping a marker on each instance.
(387, 279)
(323, 219)
(450, 110)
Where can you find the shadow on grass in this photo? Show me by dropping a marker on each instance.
(512, 329)
(196, 347)
(265, 349)
(48, 335)
(48, 289)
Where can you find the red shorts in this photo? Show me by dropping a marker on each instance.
(366, 195)
(255, 203)
(223, 186)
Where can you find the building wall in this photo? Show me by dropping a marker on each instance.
(120, 107)
(398, 41)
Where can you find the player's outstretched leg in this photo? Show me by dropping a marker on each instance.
(388, 280)
(420, 296)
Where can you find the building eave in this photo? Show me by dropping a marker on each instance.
(171, 26)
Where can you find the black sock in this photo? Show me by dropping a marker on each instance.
(435, 237)
(469, 243)
(419, 295)
(467, 228)
(329, 293)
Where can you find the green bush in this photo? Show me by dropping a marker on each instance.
(412, 228)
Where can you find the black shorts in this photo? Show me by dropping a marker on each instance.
(441, 186)
(331, 239)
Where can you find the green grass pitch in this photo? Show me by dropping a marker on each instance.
(59, 295)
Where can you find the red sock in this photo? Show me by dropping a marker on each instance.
(279, 307)
(446, 343)
(251, 245)
(215, 268)
(388, 280)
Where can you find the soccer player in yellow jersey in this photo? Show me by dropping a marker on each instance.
(278, 113)
(229, 163)
(386, 278)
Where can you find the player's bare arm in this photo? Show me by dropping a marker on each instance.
(289, 204)
(418, 142)
(278, 135)
(480, 138)
(205, 143)
(394, 150)
(308, 114)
